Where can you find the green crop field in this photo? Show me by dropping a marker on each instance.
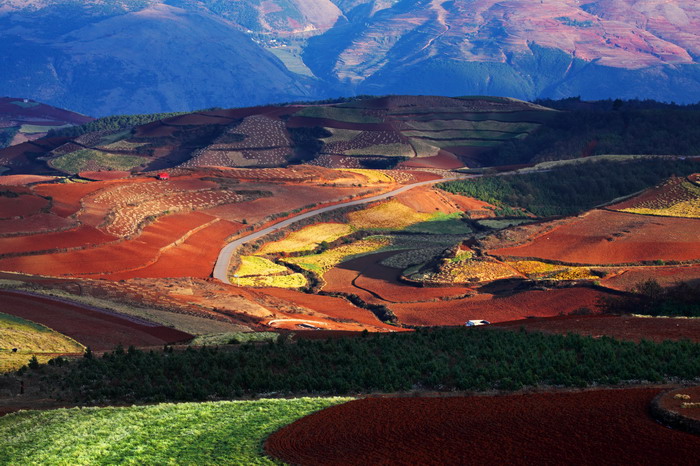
(30, 339)
(226, 432)
(85, 159)
(32, 129)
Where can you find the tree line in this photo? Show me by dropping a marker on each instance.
(445, 359)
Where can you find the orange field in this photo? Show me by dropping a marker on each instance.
(604, 237)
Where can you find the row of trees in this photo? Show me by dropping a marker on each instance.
(571, 189)
(435, 359)
(111, 123)
(628, 130)
(650, 298)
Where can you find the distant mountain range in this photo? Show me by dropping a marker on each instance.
(135, 56)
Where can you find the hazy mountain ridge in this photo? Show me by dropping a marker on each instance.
(101, 57)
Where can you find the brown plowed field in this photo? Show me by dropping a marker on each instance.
(374, 282)
(601, 427)
(518, 306)
(666, 276)
(93, 328)
(334, 308)
(621, 327)
(604, 237)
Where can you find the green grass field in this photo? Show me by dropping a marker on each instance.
(82, 159)
(32, 129)
(227, 432)
(30, 339)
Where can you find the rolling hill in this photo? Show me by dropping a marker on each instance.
(104, 58)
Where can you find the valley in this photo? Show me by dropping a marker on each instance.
(461, 262)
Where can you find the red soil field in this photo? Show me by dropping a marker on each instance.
(604, 237)
(195, 257)
(20, 180)
(622, 327)
(84, 236)
(600, 427)
(112, 258)
(36, 223)
(374, 282)
(666, 276)
(21, 206)
(100, 330)
(443, 160)
(428, 200)
(518, 306)
(334, 308)
(67, 197)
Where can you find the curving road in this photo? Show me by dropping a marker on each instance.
(224, 259)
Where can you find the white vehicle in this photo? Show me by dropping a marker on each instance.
(474, 323)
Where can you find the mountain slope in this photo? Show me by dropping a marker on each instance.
(147, 60)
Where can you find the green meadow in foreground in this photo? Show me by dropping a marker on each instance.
(225, 432)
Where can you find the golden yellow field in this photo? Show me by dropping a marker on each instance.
(308, 238)
(30, 339)
(252, 266)
(541, 270)
(389, 215)
(373, 176)
(320, 263)
(294, 280)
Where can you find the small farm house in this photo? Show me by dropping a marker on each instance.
(163, 176)
(474, 323)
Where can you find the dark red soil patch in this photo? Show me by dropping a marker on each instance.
(91, 327)
(36, 223)
(21, 206)
(604, 237)
(621, 327)
(592, 427)
(518, 306)
(666, 276)
(375, 282)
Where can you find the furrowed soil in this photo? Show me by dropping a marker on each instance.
(100, 330)
(598, 427)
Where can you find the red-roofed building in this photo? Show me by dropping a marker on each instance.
(163, 176)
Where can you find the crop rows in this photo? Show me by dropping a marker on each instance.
(323, 262)
(308, 238)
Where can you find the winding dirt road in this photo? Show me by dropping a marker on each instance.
(224, 259)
